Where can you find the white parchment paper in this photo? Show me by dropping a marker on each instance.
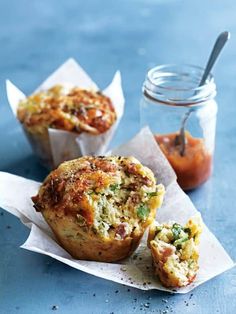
(64, 145)
(137, 270)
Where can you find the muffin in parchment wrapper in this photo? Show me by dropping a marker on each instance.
(55, 144)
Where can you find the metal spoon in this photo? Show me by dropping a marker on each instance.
(219, 44)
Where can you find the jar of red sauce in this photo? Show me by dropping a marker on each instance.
(170, 94)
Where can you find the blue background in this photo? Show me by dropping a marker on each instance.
(130, 35)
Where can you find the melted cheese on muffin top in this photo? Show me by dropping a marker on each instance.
(71, 109)
(109, 196)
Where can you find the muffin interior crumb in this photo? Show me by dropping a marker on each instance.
(175, 251)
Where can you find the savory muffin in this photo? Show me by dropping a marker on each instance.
(99, 207)
(71, 109)
(64, 108)
(175, 251)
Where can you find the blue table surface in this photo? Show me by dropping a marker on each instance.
(35, 38)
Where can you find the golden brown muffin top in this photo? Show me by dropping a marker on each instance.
(110, 195)
(75, 109)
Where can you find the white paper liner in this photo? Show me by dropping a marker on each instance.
(57, 145)
(135, 271)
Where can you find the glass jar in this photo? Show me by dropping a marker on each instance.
(171, 99)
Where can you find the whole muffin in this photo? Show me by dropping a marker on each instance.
(99, 207)
(175, 251)
(65, 108)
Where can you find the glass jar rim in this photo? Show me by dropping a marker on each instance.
(157, 88)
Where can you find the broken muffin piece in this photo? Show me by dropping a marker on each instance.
(175, 251)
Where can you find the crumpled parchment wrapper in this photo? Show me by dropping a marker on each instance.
(135, 271)
(56, 146)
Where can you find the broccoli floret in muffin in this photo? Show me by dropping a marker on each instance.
(106, 202)
(175, 251)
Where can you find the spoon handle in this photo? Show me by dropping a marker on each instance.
(219, 44)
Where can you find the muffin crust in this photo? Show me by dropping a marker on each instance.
(99, 207)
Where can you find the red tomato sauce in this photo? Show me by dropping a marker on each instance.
(194, 167)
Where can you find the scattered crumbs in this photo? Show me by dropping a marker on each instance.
(94, 295)
(191, 295)
(116, 291)
(144, 283)
(128, 290)
(149, 282)
(55, 307)
(123, 268)
(186, 304)
(135, 300)
(147, 267)
(146, 305)
(164, 300)
(171, 309)
(165, 312)
(194, 303)
(121, 279)
(140, 258)
(130, 278)
(8, 227)
(135, 256)
(83, 292)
